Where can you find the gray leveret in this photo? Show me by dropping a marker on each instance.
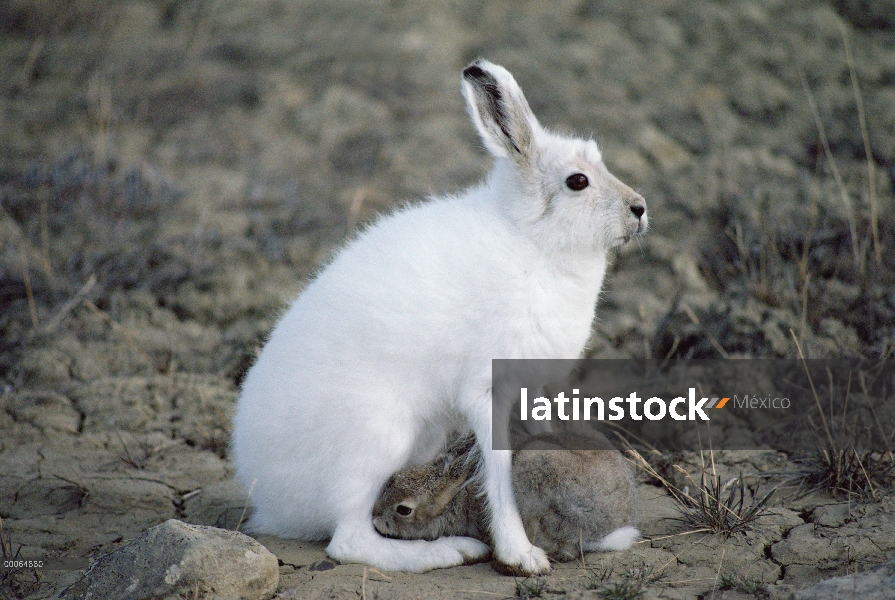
(575, 494)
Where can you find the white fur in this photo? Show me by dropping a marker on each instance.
(390, 347)
(620, 539)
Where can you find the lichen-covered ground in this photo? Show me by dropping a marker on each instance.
(172, 171)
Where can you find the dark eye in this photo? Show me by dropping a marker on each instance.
(403, 510)
(577, 182)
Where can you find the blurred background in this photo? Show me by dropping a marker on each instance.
(211, 153)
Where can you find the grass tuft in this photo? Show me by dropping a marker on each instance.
(721, 507)
(630, 586)
(745, 585)
(19, 583)
(849, 475)
(837, 466)
(714, 505)
(530, 588)
(139, 455)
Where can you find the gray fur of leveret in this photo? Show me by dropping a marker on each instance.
(571, 500)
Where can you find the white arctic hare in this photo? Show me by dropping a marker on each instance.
(389, 349)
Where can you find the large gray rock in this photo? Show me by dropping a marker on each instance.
(873, 584)
(175, 560)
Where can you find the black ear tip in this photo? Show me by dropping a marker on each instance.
(474, 71)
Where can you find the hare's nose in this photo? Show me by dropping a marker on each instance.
(638, 210)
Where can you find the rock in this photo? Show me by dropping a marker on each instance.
(874, 584)
(175, 560)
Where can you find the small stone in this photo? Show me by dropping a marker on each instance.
(177, 560)
(322, 565)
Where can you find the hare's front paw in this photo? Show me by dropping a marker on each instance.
(471, 549)
(530, 561)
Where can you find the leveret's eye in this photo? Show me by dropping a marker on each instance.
(403, 510)
(577, 182)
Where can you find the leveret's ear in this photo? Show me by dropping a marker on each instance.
(455, 471)
(453, 482)
(499, 110)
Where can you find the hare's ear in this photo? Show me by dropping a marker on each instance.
(499, 110)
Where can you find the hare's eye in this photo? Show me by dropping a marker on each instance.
(403, 510)
(577, 182)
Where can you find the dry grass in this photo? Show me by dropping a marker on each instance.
(837, 176)
(630, 585)
(15, 584)
(837, 466)
(529, 588)
(868, 152)
(140, 452)
(713, 504)
(744, 584)
(795, 256)
(849, 475)
(722, 507)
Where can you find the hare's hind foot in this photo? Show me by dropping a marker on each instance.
(364, 545)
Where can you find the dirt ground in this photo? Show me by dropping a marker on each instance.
(172, 171)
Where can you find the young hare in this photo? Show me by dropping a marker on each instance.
(389, 348)
(575, 494)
